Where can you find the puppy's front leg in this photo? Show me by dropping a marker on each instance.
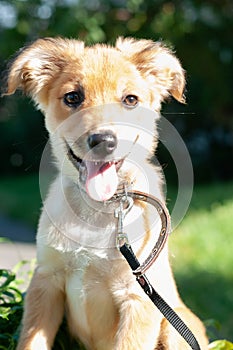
(44, 309)
(170, 339)
(138, 325)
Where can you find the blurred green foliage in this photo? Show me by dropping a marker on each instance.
(199, 31)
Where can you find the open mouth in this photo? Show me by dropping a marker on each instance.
(100, 178)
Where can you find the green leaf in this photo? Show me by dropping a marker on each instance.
(6, 277)
(221, 345)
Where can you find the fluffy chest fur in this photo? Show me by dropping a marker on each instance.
(81, 259)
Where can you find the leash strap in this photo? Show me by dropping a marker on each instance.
(139, 270)
(163, 307)
(120, 213)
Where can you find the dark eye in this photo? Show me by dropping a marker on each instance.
(130, 101)
(74, 98)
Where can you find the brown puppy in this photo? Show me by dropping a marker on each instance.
(95, 101)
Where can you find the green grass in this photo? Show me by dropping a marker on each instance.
(201, 255)
(20, 198)
(201, 247)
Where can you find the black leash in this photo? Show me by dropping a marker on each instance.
(139, 270)
(163, 307)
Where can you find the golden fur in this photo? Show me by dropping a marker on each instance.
(76, 275)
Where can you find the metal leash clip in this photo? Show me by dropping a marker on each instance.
(127, 199)
(126, 204)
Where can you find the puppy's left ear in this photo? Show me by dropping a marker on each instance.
(158, 64)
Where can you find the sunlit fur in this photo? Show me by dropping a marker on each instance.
(105, 307)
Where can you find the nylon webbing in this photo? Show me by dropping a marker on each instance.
(163, 307)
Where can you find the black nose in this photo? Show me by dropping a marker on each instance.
(103, 143)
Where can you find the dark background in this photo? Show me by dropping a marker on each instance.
(200, 32)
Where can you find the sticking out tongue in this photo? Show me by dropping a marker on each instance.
(102, 180)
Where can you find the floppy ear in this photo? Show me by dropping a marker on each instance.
(38, 64)
(154, 60)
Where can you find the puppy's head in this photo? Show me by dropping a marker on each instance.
(90, 95)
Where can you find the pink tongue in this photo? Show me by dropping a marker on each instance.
(101, 181)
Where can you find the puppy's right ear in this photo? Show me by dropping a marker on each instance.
(37, 65)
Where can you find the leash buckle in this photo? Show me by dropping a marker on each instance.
(126, 204)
